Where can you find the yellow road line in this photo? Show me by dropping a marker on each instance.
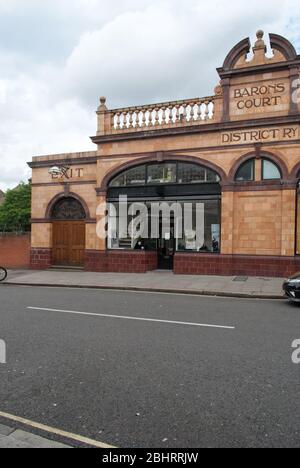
(58, 432)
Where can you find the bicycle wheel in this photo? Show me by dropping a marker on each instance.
(3, 274)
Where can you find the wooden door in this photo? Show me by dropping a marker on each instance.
(68, 243)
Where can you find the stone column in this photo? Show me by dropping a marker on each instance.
(104, 118)
(227, 223)
(288, 223)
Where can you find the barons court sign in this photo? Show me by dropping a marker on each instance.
(259, 96)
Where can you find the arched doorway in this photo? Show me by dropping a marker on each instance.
(68, 232)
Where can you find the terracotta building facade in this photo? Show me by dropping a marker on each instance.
(236, 152)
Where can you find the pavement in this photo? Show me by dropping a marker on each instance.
(157, 281)
(16, 438)
(140, 370)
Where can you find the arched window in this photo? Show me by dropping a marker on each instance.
(270, 171)
(191, 196)
(135, 176)
(246, 172)
(68, 209)
(165, 173)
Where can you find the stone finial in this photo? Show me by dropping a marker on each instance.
(260, 34)
(259, 50)
(102, 106)
(218, 90)
(260, 43)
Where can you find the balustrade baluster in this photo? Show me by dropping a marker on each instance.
(183, 116)
(177, 114)
(118, 126)
(137, 119)
(130, 119)
(150, 117)
(210, 109)
(156, 117)
(144, 118)
(175, 117)
(171, 115)
(192, 104)
(206, 116)
(125, 120)
(164, 116)
(195, 112)
(200, 107)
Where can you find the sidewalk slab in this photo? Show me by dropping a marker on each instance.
(5, 430)
(16, 438)
(157, 281)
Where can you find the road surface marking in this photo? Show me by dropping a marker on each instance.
(58, 432)
(132, 318)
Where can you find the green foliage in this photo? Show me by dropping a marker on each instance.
(15, 212)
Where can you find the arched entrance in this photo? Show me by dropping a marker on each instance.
(68, 232)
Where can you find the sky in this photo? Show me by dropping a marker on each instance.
(57, 57)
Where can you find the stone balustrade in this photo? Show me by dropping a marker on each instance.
(158, 116)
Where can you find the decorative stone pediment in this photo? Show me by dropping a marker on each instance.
(238, 57)
(257, 85)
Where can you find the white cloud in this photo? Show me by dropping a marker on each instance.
(34, 124)
(57, 58)
(169, 50)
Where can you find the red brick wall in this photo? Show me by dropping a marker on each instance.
(40, 259)
(95, 261)
(184, 263)
(15, 251)
(232, 265)
(120, 261)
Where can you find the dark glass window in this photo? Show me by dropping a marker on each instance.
(195, 174)
(211, 176)
(162, 173)
(246, 171)
(165, 173)
(135, 176)
(212, 225)
(191, 173)
(270, 171)
(68, 209)
(119, 181)
(121, 236)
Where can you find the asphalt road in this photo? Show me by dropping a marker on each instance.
(135, 383)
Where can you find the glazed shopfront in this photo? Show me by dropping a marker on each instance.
(233, 157)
